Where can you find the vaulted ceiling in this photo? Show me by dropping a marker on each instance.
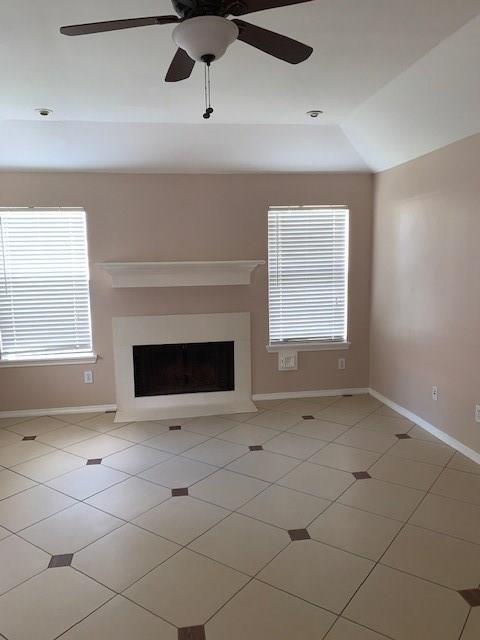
(395, 79)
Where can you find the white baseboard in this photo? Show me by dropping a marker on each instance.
(32, 413)
(286, 395)
(435, 431)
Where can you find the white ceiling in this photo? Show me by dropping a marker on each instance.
(112, 110)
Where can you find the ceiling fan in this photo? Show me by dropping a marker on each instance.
(204, 32)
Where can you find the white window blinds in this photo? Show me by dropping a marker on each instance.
(44, 284)
(307, 274)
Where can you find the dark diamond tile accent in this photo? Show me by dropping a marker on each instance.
(298, 534)
(176, 493)
(403, 436)
(29, 438)
(175, 427)
(347, 395)
(308, 417)
(94, 461)
(192, 633)
(64, 560)
(361, 475)
(111, 411)
(256, 447)
(472, 596)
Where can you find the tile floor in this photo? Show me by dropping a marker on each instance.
(317, 518)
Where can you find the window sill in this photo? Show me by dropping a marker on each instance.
(84, 358)
(308, 346)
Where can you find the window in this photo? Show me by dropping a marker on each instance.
(44, 285)
(308, 276)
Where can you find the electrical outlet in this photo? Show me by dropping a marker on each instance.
(477, 413)
(434, 392)
(341, 363)
(88, 377)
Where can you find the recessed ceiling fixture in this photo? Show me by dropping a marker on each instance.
(44, 112)
(314, 113)
(203, 34)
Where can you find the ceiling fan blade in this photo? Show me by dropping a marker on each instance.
(180, 68)
(251, 6)
(115, 25)
(273, 43)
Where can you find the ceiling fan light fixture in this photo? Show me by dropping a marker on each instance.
(205, 36)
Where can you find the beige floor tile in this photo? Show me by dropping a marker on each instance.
(71, 529)
(279, 420)
(48, 604)
(22, 451)
(422, 451)
(19, 561)
(360, 532)
(407, 608)
(248, 434)
(302, 406)
(346, 630)
(181, 519)
(209, 425)
(103, 422)
(30, 506)
(66, 436)
(49, 466)
(227, 489)
(322, 482)
(321, 429)
(345, 458)
(317, 573)
(136, 459)
(284, 507)
(382, 498)
(356, 402)
(368, 440)
(348, 417)
(472, 628)
(12, 483)
(410, 473)
(8, 422)
(448, 561)
(120, 619)
(186, 589)
(139, 431)
(98, 447)
(269, 404)
(84, 482)
(241, 417)
(260, 612)
(459, 485)
(462, 463)
(226, 543)
(458, 519)
(386, 411)
(216, 452)
(263, 465)
(37, 426)
(4, 533)
(8, 437)
(124, 556)
(130, 498)
(176, 441)
(178, 472)
(385, 424)
(421, 434)
(291, 444)
(77, 418)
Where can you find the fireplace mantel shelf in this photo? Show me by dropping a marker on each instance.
(180, 274)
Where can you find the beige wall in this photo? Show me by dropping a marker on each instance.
(425, 319)
(191, 217)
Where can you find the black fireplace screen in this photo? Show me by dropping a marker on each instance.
(194, 367)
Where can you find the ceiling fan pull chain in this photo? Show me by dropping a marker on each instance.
(208, 106)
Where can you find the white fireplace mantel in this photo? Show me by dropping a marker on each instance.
(180, 274)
